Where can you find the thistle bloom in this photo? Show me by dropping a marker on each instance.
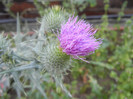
(77, 38)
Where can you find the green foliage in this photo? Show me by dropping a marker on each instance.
(8, 4)
(40, 6)
(108, 76)
(71, 6)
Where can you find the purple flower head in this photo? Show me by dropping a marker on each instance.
(77, 38)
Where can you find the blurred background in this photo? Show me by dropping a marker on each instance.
(91, 10)
(110, 72)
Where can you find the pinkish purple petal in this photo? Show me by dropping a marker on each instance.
(76, 38)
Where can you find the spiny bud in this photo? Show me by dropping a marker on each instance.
(53, 18)
(55, 61)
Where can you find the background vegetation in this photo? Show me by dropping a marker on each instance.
(110, 72)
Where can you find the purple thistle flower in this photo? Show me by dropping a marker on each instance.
(77, 38)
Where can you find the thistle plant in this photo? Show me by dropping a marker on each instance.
(29, 60)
